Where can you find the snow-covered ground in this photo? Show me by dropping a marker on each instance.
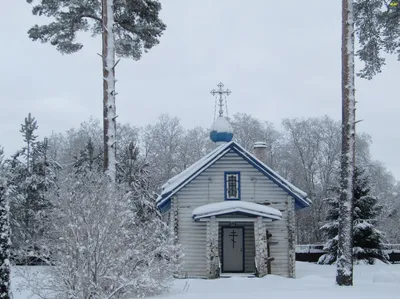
(313, 281)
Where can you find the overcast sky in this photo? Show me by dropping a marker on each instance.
(279, 58)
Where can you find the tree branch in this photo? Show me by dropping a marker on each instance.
(91, 17)
(126, 26)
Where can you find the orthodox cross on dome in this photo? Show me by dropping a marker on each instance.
(220, 92)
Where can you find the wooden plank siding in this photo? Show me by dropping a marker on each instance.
(208, 187)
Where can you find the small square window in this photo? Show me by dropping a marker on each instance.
(232, 185)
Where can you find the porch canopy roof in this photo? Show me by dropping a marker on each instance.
(248, 209)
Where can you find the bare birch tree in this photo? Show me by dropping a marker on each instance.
(312, 158)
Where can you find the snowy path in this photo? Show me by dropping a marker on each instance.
(313, 281)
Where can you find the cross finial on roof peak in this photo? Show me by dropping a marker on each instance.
(220, 92)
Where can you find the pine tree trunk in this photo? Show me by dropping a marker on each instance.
(5, 285)
(109, 109)
(344, 274)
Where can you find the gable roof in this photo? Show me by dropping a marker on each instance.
(182, 179)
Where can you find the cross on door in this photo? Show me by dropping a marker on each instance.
(233, 234)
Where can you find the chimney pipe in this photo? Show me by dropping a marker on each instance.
(260, 151)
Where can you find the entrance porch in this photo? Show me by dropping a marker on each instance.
(236, 240)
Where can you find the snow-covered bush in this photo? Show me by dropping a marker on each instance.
(103, 244)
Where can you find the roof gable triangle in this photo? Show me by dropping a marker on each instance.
(179, 181)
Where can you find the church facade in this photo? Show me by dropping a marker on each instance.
(231, 212)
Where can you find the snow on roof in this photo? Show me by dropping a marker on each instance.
(172, 183)
(179, 181)
(221, 124)
(232, 206)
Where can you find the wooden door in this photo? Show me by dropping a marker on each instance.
(233, 250)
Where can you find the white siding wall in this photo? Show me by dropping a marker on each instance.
(208, 187)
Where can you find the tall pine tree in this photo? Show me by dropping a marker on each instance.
(367, 239)
(5, 284)
(128, 28)
(344, 270)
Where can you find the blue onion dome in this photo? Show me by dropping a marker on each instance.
(221, 130)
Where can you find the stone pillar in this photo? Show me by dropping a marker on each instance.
(260, 236)
(291, 237)
(174, 221)
(213, 269)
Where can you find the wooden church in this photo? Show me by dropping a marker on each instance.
(231, 212)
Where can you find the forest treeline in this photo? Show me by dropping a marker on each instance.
(306, 151)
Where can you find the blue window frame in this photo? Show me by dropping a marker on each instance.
(232, 185)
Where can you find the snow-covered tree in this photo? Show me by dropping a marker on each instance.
(331, 228)
(309, 157)
(133, 173)
(64, 147)
(31, 173)
(128, 28)
(28, 129)
(106, 242)
(377, 26)
(367, 239)
(71, 146)
(137, 25)
(88, 160)
(5, 282)
(134, 176)
(248, 130)
(390, 224)
(133, 169)
(161, 143)
(310, 160)
(195, 143)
